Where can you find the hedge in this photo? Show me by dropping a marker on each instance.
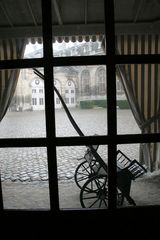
(89, 104)
(123, 104)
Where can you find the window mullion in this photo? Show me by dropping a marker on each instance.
(1, 196)
(111, 101)
(49, 102)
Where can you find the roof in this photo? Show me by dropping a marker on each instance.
(72, 18)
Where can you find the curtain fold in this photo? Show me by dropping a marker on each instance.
(10, 49)
(142, 88)
(144, 154)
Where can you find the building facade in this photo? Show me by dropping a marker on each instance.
(80, 86)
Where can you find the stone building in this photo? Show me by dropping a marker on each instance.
(80, 86)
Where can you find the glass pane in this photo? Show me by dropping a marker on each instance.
(25, 116)
(33, 50)
(138, 94)
(83, 89)
(137, 27)
(76, 168)
(66, 49)
(138, 174)
(20, 24)
(84, 48)
(79, 33)
(24, 176)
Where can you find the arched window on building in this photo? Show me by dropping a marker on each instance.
(85, 83)
(101, 81)
(119, 86)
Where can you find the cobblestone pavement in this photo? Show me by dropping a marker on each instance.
(30, 164)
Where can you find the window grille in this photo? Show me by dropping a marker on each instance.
(112, 139)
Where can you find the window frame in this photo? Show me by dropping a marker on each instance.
(48, 62)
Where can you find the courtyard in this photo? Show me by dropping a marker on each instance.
(30, 164)
(24, 171)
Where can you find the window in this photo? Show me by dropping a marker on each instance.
(54, 145)
(40, 101)
(40, 90)
(101, 81)
(72, 100)
(85, 83)
(34, 101)
(67, 100)
(57, 101)
(119, 86)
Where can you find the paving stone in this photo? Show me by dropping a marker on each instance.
(30, 164)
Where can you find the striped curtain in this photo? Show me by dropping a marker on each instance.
(141, 83)
(9, 49)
